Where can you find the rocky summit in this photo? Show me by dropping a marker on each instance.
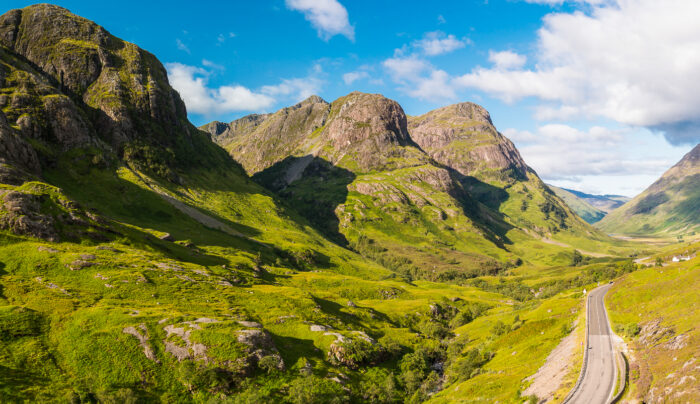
(463, 137)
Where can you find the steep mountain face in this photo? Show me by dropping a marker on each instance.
(67, 83)
(362, 132)
(463, 137)
(368, 176)
(281, 132)
(669, 206)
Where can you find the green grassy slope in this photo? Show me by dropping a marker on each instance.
(360, 179)
(655, 311)
(137, 268)
(582, 208)
(669, 207)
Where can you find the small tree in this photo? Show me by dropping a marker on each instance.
(576, 259)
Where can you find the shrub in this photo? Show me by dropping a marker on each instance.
(499, 328)
(468, 364)
(270, 363)
(316, 390)
(379, 386)
(629, 330)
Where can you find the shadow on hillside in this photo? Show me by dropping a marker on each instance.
(313, 187)
(292, 349)
(2, 272)
(481, 203)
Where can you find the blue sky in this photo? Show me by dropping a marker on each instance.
(599, 95)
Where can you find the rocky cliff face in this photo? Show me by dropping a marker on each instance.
(366, 132)
(360, 132)
(463, 137)
(66, 82)
(259, 141)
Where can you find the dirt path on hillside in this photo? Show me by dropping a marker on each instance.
(550, 376)
(195, 214)
(584, 252)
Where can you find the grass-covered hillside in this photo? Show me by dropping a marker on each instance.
(585, 210)
(139, 262)
(656, 311)
(364, 175)
(669, 207)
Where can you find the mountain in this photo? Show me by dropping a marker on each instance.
(668, 207)
(139, 262)
(368, 176)
(591, 208)
(463, 137)
(580, 206)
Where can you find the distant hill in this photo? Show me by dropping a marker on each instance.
(669, 206)
(591, 208)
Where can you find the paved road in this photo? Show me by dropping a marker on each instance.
(599, 379)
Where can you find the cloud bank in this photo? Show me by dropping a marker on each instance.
(192, 83)
(636, 62)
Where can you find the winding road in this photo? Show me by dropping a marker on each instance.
(600, 373)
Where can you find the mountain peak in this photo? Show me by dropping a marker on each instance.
(85, 88)
(463, 136)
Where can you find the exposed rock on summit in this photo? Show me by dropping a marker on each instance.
(463, 137)
(65, 83)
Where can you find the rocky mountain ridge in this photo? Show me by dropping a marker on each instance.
(342, 163)
(68, 83)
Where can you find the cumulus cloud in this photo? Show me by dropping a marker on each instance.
(420, 79)
(329, 17)
(193, 85)
(352, 77)
(506, 60)
(417, 77)
(635, 62)
(437, 43)
(191, 82)
(298, 88)
(561, 152)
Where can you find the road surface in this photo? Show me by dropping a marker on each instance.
(599, 379)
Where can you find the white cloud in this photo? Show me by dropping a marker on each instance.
(212, 65)
(193, 85)
(420, 79)
(562, 152)
(437, 43)
(181, 45)
(636, 62)
(405, 68)
(441, 19)
(329, 17)
(558, 2)
(352, 77)
(223, 37)
(507, 60)
(298, 89)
